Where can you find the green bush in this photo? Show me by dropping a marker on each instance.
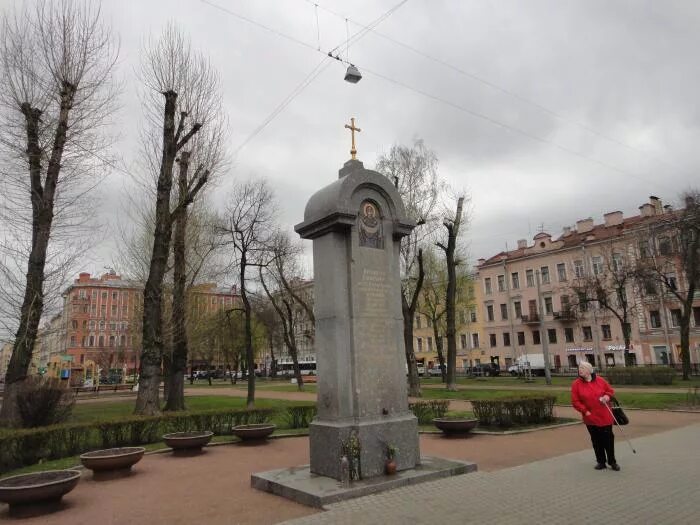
(426, 411)
(299, 416)
(21, 447)
(636, 375)
(508, 412)
(44, 401)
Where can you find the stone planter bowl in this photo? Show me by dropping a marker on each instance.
(116, 461)
(46, 488)
(187, 443)
(455, 426)
(253, 432)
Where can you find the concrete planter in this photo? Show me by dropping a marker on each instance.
(455, 426)
(112, 462)
(39, 491)
(253, 432)
(187, 443)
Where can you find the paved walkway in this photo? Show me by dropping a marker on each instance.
(657, 485)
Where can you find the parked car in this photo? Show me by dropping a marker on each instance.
(485, 370)
(435, 371)
(421, 370)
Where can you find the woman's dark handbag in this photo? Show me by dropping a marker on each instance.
(618, 413)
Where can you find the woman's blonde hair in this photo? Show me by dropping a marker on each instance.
(586, 365)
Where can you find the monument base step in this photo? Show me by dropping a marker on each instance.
(298, 484)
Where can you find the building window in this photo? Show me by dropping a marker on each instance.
(530, 278)
(501, 283)
(548, 307)
(655, 319)
(93, 309)
(518, 309)
(101, 341)
(122, 340)
(420, 344)
(111, 340)
(536, 337)
(492, 340)
(463, 340)
(597, 265)
(587, 333)
(475, 340)
(552, 335)
(429, 321)
(487, 285)
(504, 311)
(515, 279)
(74, 325)
(72, 340)
(675, 317)
(665, 246)
(94, 295)
(607, 334)
(618, 262)
(672, 282)
(578, 268)
(521, 338)
(115, 296)
(104, 296)
(696, 315)
(544, 272)
(114, 310)
(564, 301)
(418, 321)
(103, 310)
(430, 344)
(473, 316)
(569, 334)
(506, 339)
(561, 272)
(91, 342)
(489, 312)
(582, 301)
(462, 317)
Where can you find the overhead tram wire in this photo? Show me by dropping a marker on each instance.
(503, 90)
(322, 66)
(436, 98)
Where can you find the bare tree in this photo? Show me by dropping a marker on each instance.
(453, 226)
(670, 260)
(56, 90)
(414, 173)
(249, 228)
(181, 98)
(285, 298)
(432, 303)
(611, 285)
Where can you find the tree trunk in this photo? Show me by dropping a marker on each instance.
(438, 347)
(413, 379)
(175, 399)
(452, 233)
(147, 402)
(685, 343)
(248, 333)
(42, 199)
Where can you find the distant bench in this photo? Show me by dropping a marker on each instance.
(310, 379)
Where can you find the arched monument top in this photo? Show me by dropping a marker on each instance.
(333, 208)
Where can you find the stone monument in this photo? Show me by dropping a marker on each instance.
(356, 224)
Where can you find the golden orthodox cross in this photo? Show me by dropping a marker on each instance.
(353, 129)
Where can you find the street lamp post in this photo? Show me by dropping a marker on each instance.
(543, 335)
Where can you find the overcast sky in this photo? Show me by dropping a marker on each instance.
(546, 112)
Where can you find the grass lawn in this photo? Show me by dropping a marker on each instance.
(85, 412)
(557, 381)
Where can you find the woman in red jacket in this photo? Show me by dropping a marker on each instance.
(590, 395)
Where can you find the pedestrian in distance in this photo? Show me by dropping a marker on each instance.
(590, 395)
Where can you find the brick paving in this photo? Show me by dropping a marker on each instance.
(657, 485)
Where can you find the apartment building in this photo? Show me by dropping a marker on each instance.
(102, 319)
(469, 317)
(531, 296)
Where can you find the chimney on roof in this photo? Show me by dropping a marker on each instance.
(567, 230)
(83, 277)
(668, 208)
(613, 218)
(522, 244)
(646, 210)
(656, 203)
(584, 225)
(480, 262)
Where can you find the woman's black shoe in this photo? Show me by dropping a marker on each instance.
(615, 467)
(601, 466)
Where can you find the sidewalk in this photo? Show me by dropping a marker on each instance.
(657, 485)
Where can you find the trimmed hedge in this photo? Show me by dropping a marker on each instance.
(426, 411)
(508, 412)
(299, 416)
(21, 447)
(637, 375)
